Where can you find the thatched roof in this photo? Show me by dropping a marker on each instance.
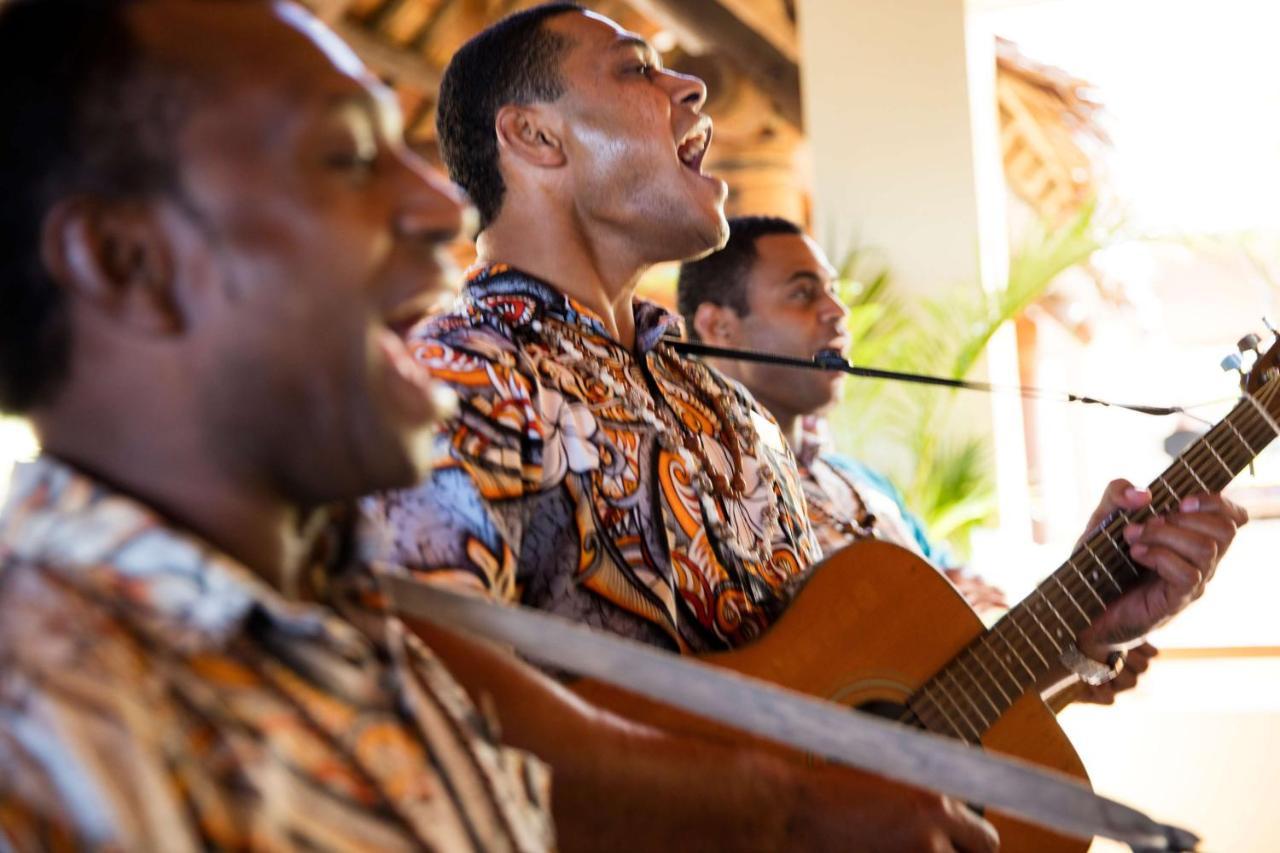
(1050, 134)
(749, 51)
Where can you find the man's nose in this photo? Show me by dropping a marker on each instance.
(833, 308)
(432, 207)
(687, 89)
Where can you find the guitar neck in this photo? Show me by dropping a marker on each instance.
(976, 687)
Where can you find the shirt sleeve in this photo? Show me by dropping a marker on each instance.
(443, 531)
(465, 522)
(24, 827)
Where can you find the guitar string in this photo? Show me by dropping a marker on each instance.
(1177, 482)
(1202, 452)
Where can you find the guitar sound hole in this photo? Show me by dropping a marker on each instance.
(888, 710)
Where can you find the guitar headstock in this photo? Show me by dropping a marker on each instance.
(1263, 366)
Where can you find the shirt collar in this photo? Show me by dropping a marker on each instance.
(520, 299)
(815, 440)
(172, 583)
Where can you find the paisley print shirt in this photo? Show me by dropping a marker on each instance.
(576, 477)
(156, 695)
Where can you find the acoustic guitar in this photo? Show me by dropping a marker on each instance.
(878, 629)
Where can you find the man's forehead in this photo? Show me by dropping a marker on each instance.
(787, 254)
(337, 51)
(272, 41)
(595, 31)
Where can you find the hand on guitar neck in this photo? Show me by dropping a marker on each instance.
(1181, 549)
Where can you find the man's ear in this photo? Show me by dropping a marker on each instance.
(115, 257)
(716, 324)
(530, 134)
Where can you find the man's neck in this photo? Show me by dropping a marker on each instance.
(599, 272)
(790, 423)
(270, 537)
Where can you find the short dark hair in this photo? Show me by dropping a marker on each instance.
(82, 113)
(515, 61)
(721, 277)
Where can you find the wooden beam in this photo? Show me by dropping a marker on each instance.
(403, 67)
(329, 11)
(770, 21)
(711, 23)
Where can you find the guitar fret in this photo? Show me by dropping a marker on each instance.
(1030, 643)
(994, 681)
(1071, 598)
(1122, 552)
(996, 655)
(1209, 444)
(958, 733)
(1194, 475)
(1266, 416)
(982, 718)
(1247, 445)
(938, 713)
(1085, 581)
(1165, 483)
(1054, 611)
(945, 717)
(1105, 570)
(978, 686)
(1043, 629)
(996, 632)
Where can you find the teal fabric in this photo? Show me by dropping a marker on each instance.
(866, 478)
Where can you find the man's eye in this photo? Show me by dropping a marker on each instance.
(352, 161)
(641, 68)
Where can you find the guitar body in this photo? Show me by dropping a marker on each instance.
(873, 624)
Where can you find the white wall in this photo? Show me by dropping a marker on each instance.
(899, 99)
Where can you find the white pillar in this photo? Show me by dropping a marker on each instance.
(899, 100)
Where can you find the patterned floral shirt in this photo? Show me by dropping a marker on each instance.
(643, 494)
(156, 695)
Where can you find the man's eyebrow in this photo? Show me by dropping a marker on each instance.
(635, 42)
(805, 275)
(378, 105)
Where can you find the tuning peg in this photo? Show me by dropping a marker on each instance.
(1271, 328)
(1249, 343)
(1233, 362)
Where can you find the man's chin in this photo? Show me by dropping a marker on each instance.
(414, 460)
(709, 235)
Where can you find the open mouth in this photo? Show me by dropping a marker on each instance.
(692, 150)
(409, 314)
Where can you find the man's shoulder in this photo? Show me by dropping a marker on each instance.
(82, 708)
(60, 636)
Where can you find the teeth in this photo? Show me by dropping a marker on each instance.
(692, 148)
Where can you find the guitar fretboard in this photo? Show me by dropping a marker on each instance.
(968, 695)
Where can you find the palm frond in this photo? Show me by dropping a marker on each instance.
(943, 471)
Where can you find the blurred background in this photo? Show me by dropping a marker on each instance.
(1082, 195)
